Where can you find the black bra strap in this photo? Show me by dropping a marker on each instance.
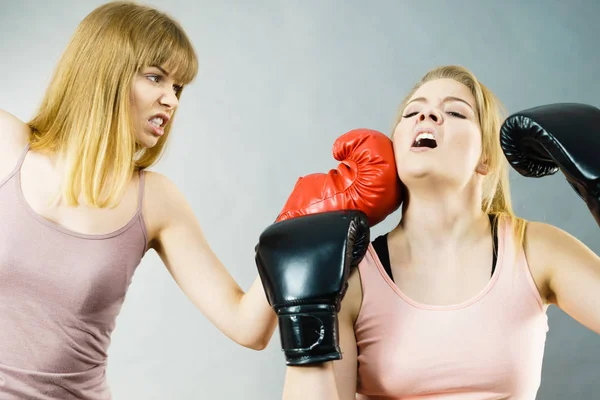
(381, 248)
(494, 224)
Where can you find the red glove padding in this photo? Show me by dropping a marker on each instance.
(366, 180)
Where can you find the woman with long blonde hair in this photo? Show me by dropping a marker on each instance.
(451, 304)
(78, 210)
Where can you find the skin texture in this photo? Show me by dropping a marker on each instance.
(173, 230)
(443, 220)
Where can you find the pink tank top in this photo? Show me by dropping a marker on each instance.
(60, 294)
(487, 348)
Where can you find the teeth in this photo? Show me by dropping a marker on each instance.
(425, 135)
(425, 139)
(157, 121)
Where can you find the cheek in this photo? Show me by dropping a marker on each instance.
(136, 99)
(401, 137)
(470, 138)
(140, 95)
(401, 143)
(468, 144)
(136, 112)
(139, 107)
(399, 147)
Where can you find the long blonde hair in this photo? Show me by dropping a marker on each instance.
(85, 115)
(490, 112)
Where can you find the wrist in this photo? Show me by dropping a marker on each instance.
(315, 382)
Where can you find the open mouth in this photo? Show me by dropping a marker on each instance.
(158, 122)
(425, 139)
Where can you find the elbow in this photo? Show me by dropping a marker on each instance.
(257, 344)
(254, 340)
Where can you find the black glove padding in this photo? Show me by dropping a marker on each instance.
(304, 264)
(541, 141)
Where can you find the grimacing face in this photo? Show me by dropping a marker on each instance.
(154, 100)
(439, 136)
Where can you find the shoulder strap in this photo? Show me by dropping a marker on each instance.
(141, 190)
(494, 224)
(22, 157)
(381, 248)
(17, 167)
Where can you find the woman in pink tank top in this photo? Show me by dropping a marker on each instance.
(451, 304)
(78, 212)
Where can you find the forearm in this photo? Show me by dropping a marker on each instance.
(311, 382)
(257, 320)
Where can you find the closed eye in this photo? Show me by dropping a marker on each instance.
(412, 114)
(455, 114)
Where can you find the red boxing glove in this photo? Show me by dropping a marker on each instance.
(366, 179)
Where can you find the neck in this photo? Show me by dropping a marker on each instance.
(439, 219)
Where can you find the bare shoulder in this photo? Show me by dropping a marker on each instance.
(548, 247)
(547, 241)
(160, 186)
(14, 133)
(352, 300)
(163, 203)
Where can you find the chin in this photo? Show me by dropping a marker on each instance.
(147, 142)
(420, 177)
(415, 172)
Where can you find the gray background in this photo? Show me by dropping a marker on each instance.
(278, 82)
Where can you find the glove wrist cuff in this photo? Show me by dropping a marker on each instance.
(309, 333)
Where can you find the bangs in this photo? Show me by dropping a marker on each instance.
(168, 47)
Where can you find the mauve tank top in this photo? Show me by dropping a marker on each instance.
(60, 294)
(489, 347)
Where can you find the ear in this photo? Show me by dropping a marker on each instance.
(482, 168)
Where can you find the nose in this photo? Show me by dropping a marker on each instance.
(430, 114)
(169, 100)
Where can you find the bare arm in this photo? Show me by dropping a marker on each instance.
(311, 382)
(572, 271)
(333, 380)
(246, 318)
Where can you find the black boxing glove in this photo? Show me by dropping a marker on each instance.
(304, 264)
(541, 141)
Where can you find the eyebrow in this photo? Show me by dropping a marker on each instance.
(445, 100)
(161, 69)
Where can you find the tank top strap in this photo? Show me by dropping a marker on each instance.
(141, 190)
(22, 157)
(17, 167)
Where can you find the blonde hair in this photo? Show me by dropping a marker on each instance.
(85, 115)
(490, 112)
